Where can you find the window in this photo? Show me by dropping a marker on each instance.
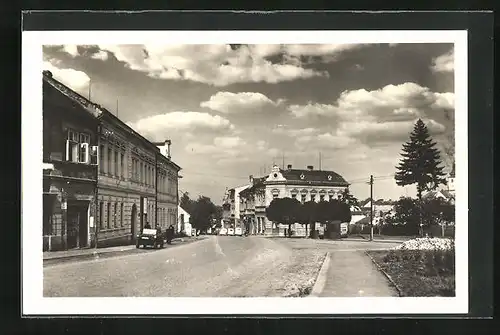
(72, 145)
(101, 215)
(109, 215)
(302, 198)
(115, 160)
(115, 223)
(140, 173)
(121, 215)
(122, 162)
(101, 158)
(110, 157)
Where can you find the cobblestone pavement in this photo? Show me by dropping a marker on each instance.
(219, 266)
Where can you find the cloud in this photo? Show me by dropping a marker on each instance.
(227, 102)
(180, 122)
(444, 63)
(294, 132)
(393, 131)
(389, 102)
(74, 79)
(228, 142)
(323, 141)
(312, 109)
(222, 64)
(386, 114)
(101, 55)
(71, 49)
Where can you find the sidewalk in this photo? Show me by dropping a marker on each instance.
(49, 256)
(353, 274)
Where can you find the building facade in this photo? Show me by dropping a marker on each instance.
(301, 184)
(123, 180)
(167, 175)
(69, 168)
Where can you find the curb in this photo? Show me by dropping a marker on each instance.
(319, 284)
(103, 253)
(393, 283)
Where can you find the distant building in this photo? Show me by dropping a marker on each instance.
(183, 224)
(301, 184)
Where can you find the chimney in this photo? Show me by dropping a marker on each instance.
(289, 166)
(167, 144)
(250, 178)
(310, 167)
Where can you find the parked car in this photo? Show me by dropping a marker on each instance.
(230, 231)
(150, 237)
(238, 231)
(344, 229)
(223, 231)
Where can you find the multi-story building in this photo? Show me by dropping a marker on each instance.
(126, 185)
(136, 180)
(301, 184)
(167, 175)
(69, 168)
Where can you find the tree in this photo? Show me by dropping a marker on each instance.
(420, 164)
(349, 199)
(186, 203)
(308, 216)
(405, 213)
(284, 210)
(203, 211)
(438, 211)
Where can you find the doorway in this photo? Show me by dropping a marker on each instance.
(77, 229)
(133, 222)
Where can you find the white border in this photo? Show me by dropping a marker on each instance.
(33, 302)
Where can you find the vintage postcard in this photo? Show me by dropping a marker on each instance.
(297, 172)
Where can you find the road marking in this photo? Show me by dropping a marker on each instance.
(321, 280)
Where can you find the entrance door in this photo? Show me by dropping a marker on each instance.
(77, 236)
(73, 222)
(133, 222)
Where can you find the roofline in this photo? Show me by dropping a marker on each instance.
(104, 111)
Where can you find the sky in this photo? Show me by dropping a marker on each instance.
(233, 110)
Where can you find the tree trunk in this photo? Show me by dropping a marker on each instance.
(313, 230)
(289, 230)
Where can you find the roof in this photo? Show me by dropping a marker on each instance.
(313, 176)
(98, 111)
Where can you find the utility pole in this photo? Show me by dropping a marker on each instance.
(116, 107)
(90, 85)
(371, 207)
(283, 162)
(320, 161)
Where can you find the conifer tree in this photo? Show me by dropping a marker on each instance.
(421, 162)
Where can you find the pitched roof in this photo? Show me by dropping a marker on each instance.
(314, 176)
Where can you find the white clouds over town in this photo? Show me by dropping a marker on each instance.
(444, 63)
(232, 109)
(228, 102)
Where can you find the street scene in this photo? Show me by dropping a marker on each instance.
(235, 170)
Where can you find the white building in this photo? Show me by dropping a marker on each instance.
(301, 184)
(183, 224)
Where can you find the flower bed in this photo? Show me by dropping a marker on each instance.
(427, 243)
(420, 267)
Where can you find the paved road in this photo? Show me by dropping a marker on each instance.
(222, 266)
(350, 272)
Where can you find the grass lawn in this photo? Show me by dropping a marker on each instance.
(419, 273)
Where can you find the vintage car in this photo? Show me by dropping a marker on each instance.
(230, 231)
(150, 237)
(223, 231)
